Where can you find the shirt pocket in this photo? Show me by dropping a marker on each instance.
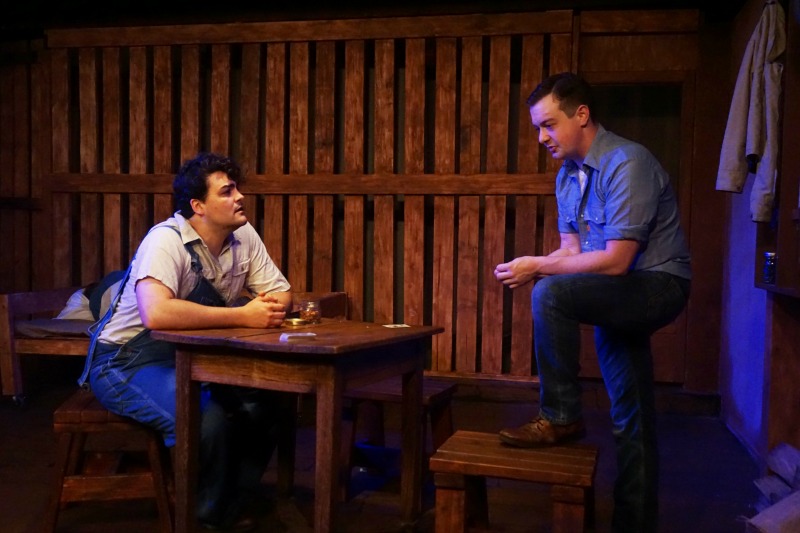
(595, 220)
(568, 211)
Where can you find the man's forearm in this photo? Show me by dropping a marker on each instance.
(183, 314)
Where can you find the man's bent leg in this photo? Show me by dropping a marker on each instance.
(626, 363)
(622, 340)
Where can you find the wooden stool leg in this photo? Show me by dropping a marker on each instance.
(451, 503)
(441, 424)
(75, 459)
(157, 455)
(589, 513)
(569, 509)
(63, 454)
(477, 501)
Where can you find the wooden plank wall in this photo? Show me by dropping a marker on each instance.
(435, 119)
(389, 158)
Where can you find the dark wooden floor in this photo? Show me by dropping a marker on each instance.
(706, 476)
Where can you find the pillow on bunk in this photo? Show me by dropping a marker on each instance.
(84, 307)
(91, 302)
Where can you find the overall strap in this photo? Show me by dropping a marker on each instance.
(96, 328)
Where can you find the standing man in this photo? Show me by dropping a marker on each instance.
(187, 274)
(622, 266)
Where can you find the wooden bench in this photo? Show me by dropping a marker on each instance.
(21, 306)
(78, 479)
(462, 463)
(436, 399)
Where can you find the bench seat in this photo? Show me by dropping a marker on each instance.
(463, 462)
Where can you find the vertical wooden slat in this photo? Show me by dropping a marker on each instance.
(495, 221)
(684, 178)
(91, 245)
(354, 163)
(87, 92)
(248, 122)
(298, 164)
(62, 208)
(444, 206)
(499, 91)
(7, 163)
(560, 52)
(414, 150)
(492, 308)
(41, 164)
(322, 275)
(528, 147)
(383, 292)
(22, 128)
(576, 39)
(112, 203)
(220, 97)
(551, 240)
(560, 61)
(272, 232)
(468, 278)
(526, 227)
(190, 101)
(138, 216)
(162, 126)
(525, 230)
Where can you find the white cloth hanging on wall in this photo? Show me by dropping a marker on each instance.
(752, 131)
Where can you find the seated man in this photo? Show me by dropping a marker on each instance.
(186, 274)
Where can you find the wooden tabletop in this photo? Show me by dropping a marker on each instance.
(331, 336)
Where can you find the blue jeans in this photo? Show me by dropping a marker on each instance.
(625, 311)
(236, 427)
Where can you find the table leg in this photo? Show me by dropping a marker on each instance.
(287, 441)
(412, 445)
(187, 431)
(327, 472)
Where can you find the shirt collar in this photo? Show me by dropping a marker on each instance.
(189, 235)
(592, 159)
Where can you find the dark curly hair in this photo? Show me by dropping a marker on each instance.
(191, 181)
(570, 90)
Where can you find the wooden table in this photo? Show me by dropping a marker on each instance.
(342, 354)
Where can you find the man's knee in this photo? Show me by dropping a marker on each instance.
(545, 293)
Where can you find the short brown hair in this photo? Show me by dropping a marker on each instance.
(570, 90)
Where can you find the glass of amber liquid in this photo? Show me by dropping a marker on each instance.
(310, 311)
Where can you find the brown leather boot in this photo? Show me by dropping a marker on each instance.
(541, 432)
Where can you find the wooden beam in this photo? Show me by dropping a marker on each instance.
(315, 30)
(664, 21)
(456, 184)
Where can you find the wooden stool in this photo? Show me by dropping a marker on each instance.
(77, 480)
(462, 463)
(436, 396)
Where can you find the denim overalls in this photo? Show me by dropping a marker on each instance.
(137, 379)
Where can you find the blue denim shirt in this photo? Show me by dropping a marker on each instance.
(628, 196)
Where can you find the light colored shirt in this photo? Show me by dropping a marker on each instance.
(243, 263)
(628, 197)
